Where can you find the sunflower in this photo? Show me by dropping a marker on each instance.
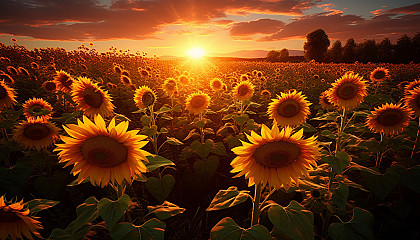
(50, 86)
(412, 85)
(197, 102)
(169, 86)
(91, 98)
(184, 80)
(6, 78)
(35, 133)
(348, 91)
(117, 69)
(412, 100)
(37, 107)
(144, 97)
(104, 154)
(266, 94)
(16, 221)
(125, 79)
(7, 96)
(243, 91)
(216, 84)
(324, 102)
(389, 119)
(379, 74)
(277, 158)
(63, 81)
(290, 109)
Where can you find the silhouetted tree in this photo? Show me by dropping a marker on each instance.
(273, 56)
(404, 49)
(367, 51)
(349, 51)
(316, 45)
(284, 55)
(386, 51)
(337, 52)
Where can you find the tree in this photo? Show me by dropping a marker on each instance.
(367, 51)
(273, 56)
(337, 52)
(316, 45)
(385, 51)
(404, 49)
(284, 55)
(349, 51)
(416, 43)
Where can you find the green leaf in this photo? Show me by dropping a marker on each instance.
(355, 166)
(308, 128)
(327, 116)
(292, 222)
(200, 124)
(191, 134)
(359, 227)
(240, 119)
(164, 130)
(328, 134)
(227, 117)
(163, 109)
(338, 162)
(228, 229)
(219, 149)
(14, 178)
(411, 178)
(37, 205)
(202, 150)
(381, 185)
(160, 188)
(165, 210)
(156, 161)
(166, 117)
(112, 211)
(86, 213)
(174, 141)
(146, 120)
(150, 230)
(228, 198)
(340, 196)
(206, 168)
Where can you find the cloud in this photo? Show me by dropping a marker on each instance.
(339, 26)
(415, 8)
(377, 12)
(124, 19)
(263, 26)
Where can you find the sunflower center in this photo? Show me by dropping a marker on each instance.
(217, 84)
(379, 74)
(36, 131)
(198, 102)
(390, 117)
(93, 98)
(66, 81)
(243, 90)
(347, 91)
(288, 108)
(8, 216)
(148, 98)
(103, 151)
(276, 154)
(3, 92)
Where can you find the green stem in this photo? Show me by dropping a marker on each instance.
(256, 206)
(337, 146)
(153, 123)
(201, 129)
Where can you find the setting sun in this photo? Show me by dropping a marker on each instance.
(196, 52)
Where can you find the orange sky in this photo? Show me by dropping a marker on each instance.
(172, 27)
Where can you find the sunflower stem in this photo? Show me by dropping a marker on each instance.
(256, 205)
(201, 130)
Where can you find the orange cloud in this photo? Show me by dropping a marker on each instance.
(264, 26)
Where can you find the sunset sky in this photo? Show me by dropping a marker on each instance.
(172, 27)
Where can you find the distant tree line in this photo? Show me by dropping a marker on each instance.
(405, 50)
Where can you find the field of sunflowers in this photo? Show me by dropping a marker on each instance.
(124, 146)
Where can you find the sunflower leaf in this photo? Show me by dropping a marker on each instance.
(291, 222)
(165, 210)
(174, 141)
(228, 198)
(359, 227)
(340, 196)
(112, 211)
(37, 205)
(152, 229)
(156, 161)
(228, 229)
(160, 188)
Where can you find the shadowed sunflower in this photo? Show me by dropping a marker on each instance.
(324, 102)
(348, 91)
(63, 81)
(169, 86)
(197, 102)
(7, 96)
(50, 86)
(389, 119)
(35, 133)
(290, 108)
(411, 86)
(379, 74)
(216, 84)
(144, 97)
(243, 91)
(16, 221)
(37, 107)
(184, 80)
(91, 98)
(266, 94)
(104, 154)
(412, 100)
(277, 158)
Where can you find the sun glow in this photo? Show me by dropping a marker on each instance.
(196, 53)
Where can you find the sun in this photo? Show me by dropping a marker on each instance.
(196, 52)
